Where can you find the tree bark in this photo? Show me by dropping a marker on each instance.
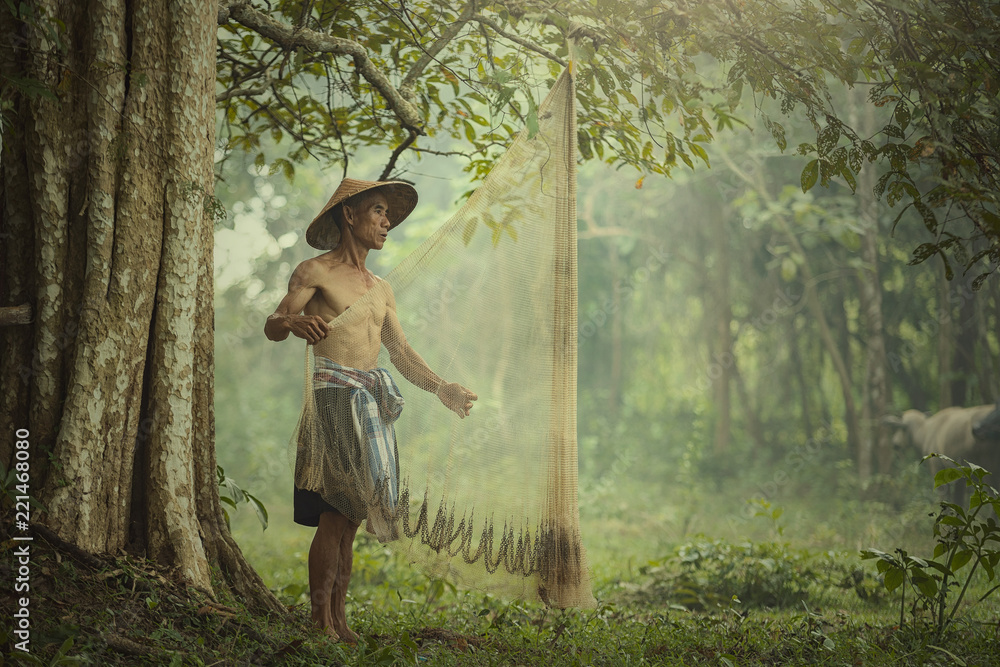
(985, 370)
(873, 444)
(750, 411)
(14, 315)
(963, 363)
(107, 190)
(795, 355)
(946, 341)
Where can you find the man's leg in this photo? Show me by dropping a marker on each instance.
(324, 563)
(338, 600)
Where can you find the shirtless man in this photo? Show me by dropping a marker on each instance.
(356, 220)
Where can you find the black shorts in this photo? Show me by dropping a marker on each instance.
(308, 506)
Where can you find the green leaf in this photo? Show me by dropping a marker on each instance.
(700, 152)
(902, 115)
(259, 508)
(955, 659)
(925, 584)
(809, 175)
(930, 220)
(532, 123)
(778, 132)
(960, 559)
(469, 231)
(947, 476)
(894, 131)
(893, 578)
(827, 139)
(470, 131)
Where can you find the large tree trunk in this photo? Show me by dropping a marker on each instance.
(107, 184)
(874, 442)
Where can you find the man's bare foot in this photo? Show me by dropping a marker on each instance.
(324, 624)
(328, 631)
(346, 634)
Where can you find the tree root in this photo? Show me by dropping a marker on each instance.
(120, 644)
(59, 543)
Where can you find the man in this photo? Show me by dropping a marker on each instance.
(346, 463)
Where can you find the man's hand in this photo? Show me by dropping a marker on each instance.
(456, 398)
(311, 328)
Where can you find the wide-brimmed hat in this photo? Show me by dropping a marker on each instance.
(323, 232)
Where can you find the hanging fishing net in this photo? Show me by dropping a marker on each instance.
(489, 301)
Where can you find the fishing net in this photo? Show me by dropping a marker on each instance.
(489, 301)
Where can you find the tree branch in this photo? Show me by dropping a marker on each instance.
(245, 92)
(430, 54)
(573, 31)
(291, 38)
(493, 25)
(395, 155)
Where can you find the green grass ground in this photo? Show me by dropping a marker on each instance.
(665, 597)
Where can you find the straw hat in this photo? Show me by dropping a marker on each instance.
(323, 232)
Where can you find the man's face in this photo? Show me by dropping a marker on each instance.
(369, 221)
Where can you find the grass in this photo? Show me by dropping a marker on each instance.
(669, 602)
(125, 615)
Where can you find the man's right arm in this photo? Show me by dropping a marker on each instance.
(287, 319)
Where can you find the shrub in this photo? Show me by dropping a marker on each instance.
(966, 537)
(707, 574)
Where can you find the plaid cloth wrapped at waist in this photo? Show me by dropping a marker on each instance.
(375, 404)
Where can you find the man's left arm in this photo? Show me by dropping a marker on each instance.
(454, 396)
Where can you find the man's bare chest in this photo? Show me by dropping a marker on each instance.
(346, 290)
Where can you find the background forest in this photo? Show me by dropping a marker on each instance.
(729, 324)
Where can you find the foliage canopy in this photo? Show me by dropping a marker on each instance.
(656, 81)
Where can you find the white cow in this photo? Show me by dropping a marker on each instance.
(948, 432)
